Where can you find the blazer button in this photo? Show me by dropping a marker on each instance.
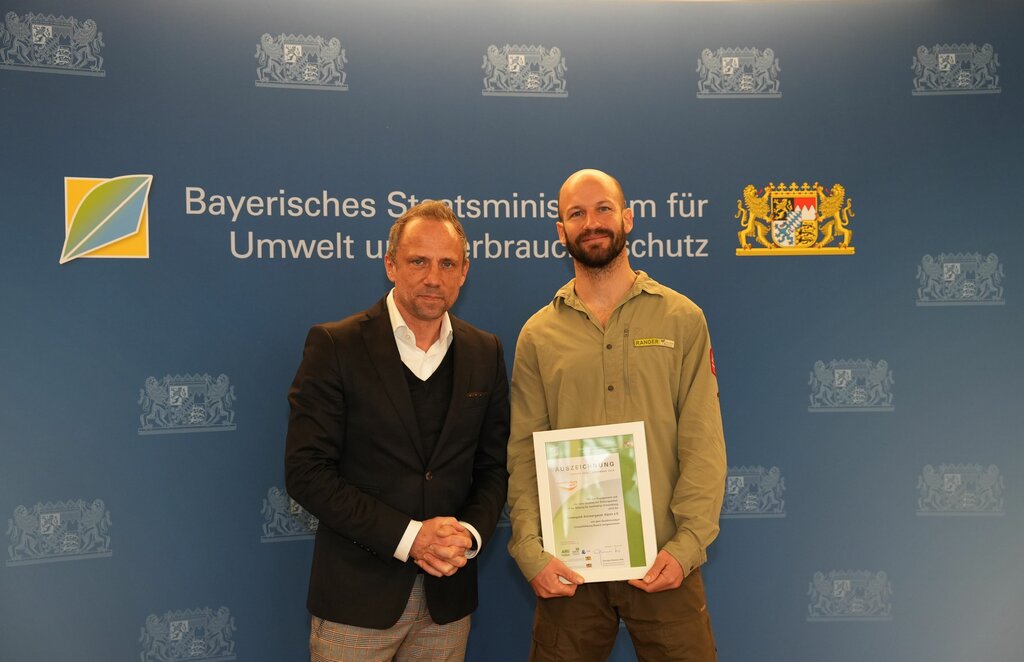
(429, 476)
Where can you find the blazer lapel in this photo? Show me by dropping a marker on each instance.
(379, 339)
(462, 370)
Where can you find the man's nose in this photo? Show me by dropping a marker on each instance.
(589, 220)
(433, 273)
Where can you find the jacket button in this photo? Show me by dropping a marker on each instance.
(429, 476)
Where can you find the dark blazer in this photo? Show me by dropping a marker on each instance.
(353, 460)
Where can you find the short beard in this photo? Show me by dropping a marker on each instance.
(600, 259)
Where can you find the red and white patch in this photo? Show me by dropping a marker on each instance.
(711, 353)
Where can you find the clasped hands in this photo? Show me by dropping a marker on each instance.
(557, 580)
(440, 546)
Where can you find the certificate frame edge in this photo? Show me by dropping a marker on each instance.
(638, 430)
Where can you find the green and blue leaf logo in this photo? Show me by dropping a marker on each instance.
(106, 217)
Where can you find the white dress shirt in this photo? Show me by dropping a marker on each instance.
(422, 364)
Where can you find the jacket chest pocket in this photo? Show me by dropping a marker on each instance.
(649, 358)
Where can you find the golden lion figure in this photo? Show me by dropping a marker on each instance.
(834, 216)
(756, 207)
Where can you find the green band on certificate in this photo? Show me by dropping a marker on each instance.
(594, 490)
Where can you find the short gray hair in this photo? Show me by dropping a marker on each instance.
(432, 209)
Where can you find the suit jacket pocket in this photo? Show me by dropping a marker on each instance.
(476, 398)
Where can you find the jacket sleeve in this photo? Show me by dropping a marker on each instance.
(314, 447)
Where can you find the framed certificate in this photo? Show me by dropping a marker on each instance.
(595, 499)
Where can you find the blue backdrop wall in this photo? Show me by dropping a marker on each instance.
(188, 185)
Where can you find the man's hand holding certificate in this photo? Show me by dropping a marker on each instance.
(556, 580)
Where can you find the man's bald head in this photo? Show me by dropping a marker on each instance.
(591, 175)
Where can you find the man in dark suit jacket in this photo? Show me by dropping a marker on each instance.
(396, 443)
